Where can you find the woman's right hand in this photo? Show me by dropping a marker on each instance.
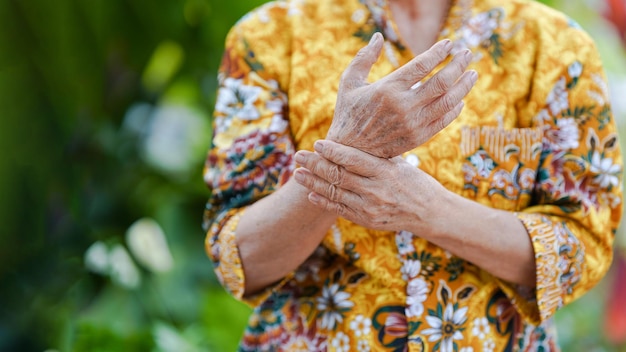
(395, 114)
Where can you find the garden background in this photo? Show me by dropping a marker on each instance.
(105, 110)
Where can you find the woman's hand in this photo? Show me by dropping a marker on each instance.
(392, 195)
(395, 114)
(377, 193)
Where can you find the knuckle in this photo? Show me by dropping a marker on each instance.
(341, 209)
(421, 68)
(346, 76)
(439, 84)
(362, 54)
(333, 193)
(448, 102)
(334, 174)
(440, 124)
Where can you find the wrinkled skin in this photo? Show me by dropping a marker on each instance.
(393, 115)
(368, 190)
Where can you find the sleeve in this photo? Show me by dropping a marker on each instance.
(577, 199)
(252, 150)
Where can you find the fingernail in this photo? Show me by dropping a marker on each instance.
(473, 76)
(447, 44)
(298, 176)
(467, 54)
(300, 159)
(314, 197)
(375, 38)
(319, 147)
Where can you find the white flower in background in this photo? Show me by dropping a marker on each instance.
(417, 292)
(617, 84)
(467, 349)
(146, 241)
(341, 342)
(361, 325)
(481, 328)
(606, 172)
(176, 138)
(123, 269)
(558, 98)
(168, 339)
(575, 69)
(332, 304)
(97, 258)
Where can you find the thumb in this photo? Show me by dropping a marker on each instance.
(356, 73)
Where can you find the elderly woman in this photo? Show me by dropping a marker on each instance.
(410, 175)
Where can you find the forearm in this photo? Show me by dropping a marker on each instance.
(277, 233)
(390, 194)
(492, 239)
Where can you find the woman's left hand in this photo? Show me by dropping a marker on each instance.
(377, 193)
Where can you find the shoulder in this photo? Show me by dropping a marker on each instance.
(268, 15)
(261, 40)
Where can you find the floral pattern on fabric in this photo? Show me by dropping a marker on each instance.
(536, 137)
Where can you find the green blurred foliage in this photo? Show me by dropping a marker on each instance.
(89, 90)
(104, 119)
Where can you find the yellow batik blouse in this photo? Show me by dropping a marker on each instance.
(536, 137)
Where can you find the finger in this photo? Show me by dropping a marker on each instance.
(441, 82)
(324, 188)
(321, 167)
(418, 68)
(453, 97)
(353, 160)
(356, 73)
(441, 123)
(330, 206)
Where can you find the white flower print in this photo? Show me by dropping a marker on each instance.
(297, 343)
(481, 328)
(295, 8)
(404, 242)
(575, 69)
(410, 269)
(417, 292)
(358, 15)
(447, 327)
(558, 98)
(483, 163)
(489, 346)
(332, 304)
(341, 342)
(478, 29)
(605, 170)
(565, 137)
(236, 100)
(361, 325)
(363, 346)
